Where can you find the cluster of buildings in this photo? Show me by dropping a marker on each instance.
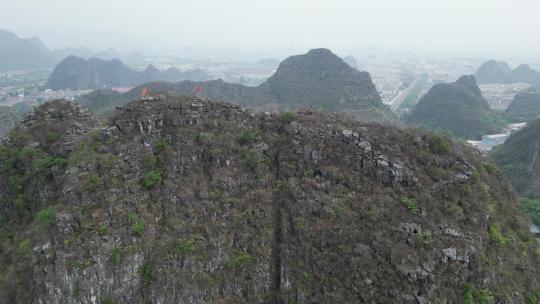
(388, 75)
(500, 95)
(388, 79)
(443, 70)
(388, 87)
(10, 96)
(488, 142)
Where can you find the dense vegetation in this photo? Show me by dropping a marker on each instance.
(457, 109)
(182, 201)
(519, 160)
(532, 207)
(101, 102)
(525, 107)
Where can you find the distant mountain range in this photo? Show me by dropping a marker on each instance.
(318, 79)
(17, 53)
(88, 74)
(500, 72)
(457, 109)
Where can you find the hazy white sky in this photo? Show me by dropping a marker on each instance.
(479, 26)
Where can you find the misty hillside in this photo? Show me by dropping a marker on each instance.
(518, 160)
(525, 107)
(318, 80)
(79, 74)
(457, 109)
(18, 54)
(500, 72)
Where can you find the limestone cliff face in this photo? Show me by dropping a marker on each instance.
(189, 201)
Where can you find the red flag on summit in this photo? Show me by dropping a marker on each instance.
(144, 92)
(198, 89)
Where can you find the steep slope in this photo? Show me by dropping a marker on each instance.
(322, 80)
(8, 120)
(17, 53)
(518, 159)
(318, 79)
(351, 61)
(500, 72)
(6, 38)
(185, 201)
(39, 45)
(457, 109)
(100, 102)
(79, 74)
(525, 107)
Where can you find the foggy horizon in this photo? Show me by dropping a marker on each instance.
(483, 28)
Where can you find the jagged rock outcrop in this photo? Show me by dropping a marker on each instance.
(180, 200)
(457, 109)
(57, 127)
(318, 80)
(80, 74)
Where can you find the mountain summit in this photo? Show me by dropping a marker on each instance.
(17, 53)
(318, 79)
(457, 109)
(321, 79)
(500, 72)
(180, 200)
